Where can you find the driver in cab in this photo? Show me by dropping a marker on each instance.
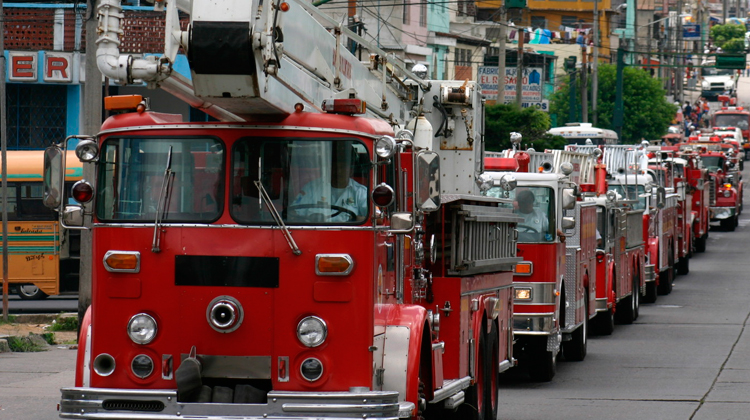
(336, 198)
(533, 219)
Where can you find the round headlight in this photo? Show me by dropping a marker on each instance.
(312, 331)
(142, 329)
(311, 369)
(142, 366)
(727, 193)
(385, 147)
(87, 150)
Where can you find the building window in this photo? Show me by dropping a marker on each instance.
(407, 15)
(36, 115)
(423, 14)
(462, 57)
(538, 22)
(461, 8)
(569, 21)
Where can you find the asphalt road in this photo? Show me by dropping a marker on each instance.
(687, 357)
(50, 305)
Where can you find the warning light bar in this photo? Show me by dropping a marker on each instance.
(123, 103)
(344, 106)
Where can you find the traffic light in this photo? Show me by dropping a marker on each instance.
(731, 61)
(569, 64)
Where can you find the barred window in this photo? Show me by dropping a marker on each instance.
(36, 115)
(407, 14)
(423, 14)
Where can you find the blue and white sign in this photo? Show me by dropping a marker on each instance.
(691, 32)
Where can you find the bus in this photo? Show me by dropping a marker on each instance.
(578, 133)
(43, 257)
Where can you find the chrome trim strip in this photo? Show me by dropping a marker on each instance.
(452, 388)
(488, 290)
(212, 127)
(235, 226)
(88, 403)
(541, 293)
(601, 305)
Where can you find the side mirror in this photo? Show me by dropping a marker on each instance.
(53, 177)
(661, 197)
(568, 223)
(72, 216)
(568, 198)
(427, 181)
(402, 222)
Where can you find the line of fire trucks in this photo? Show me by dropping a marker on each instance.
(338, 244)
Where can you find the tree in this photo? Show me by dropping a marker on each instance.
(735, 45)
(501, 120)
(721, 34)
(648, 114)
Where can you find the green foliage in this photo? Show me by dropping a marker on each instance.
(501, 120)
(647, 112)
(734, 45)
(721, 34)
(11, 320)
(69, 323)
(22, 344)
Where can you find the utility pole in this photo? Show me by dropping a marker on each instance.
(618, 114)
(4, 159)
(573, 109)
(681, 68)
(584, 85)
(595, 66)
(519, 69)
(92, 121)
(501, 57)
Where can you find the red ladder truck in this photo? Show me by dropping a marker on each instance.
(304, 257)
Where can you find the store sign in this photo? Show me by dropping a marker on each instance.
(531, 86)
(55, 67)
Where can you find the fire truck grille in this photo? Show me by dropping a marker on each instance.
(712, 191)
(133, 405)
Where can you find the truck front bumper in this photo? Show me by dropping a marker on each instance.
(533, 324)
(122, 404)
(720, 213)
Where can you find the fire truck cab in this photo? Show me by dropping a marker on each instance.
(555, 283)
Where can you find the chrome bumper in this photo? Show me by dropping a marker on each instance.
(122, 404)
(650, 273)
(533, 324)
(720, 213)
(601, 305)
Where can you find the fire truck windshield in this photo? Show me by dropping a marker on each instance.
(308, 181)
(632, 192)
(732, 120)
(131, 176)
(536, 205)
(712, 163)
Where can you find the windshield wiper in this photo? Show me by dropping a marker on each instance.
(164, 193)
(277, 218)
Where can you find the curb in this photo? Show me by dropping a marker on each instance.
(41, 318)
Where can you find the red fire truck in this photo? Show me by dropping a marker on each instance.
(697, 181)
(627, 166)
(725, 187)
(555, 283)
(295, 260)
(620, 273)
(734, 116)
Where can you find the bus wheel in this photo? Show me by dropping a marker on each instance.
(30, 292)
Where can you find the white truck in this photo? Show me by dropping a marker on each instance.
(715, 82)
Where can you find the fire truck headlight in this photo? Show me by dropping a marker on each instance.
(312, 331)
(523, 293)
(142, 366)
(311, 369)
(727, 193)
(385, 147)
(142, 329)
(87, 150)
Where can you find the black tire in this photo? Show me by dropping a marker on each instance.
(665, 281)
(637, 294)
(543, 366)
(729, 225)
(700, 243)
(491, 371)
(473, 406)
(30, 292)
(604, 323)
(651, 292)
(575, 349)
(683, 266)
